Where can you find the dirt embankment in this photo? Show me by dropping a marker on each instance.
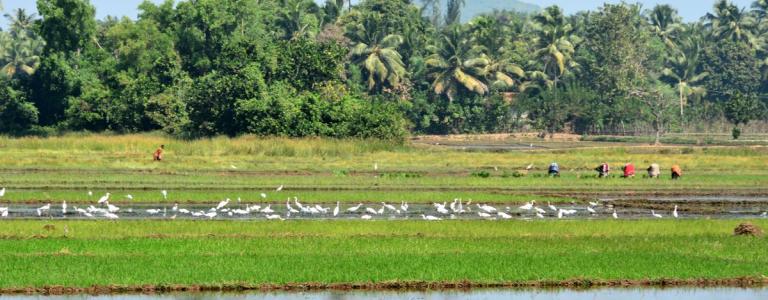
(389, 286)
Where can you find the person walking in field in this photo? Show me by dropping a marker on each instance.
(654, 171)
(677, 172)
(603, 170)
(629, 170)
(158, 155)
(554, 170)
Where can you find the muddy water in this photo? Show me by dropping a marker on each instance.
(596, 294)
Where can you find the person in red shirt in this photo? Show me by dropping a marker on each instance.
(158, 155)
(629, 170)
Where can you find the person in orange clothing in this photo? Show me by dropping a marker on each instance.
(629, 170)
(158, 155)
(676, 172)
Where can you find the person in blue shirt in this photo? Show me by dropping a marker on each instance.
(554, 170)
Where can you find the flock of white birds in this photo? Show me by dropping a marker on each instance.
(293, 208)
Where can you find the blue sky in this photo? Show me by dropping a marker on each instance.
(691, 10)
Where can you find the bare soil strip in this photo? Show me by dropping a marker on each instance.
(743, 282)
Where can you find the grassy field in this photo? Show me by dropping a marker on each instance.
(321, 170)
(83, 253)
(254, 253)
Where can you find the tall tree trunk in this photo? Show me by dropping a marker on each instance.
(682, 102)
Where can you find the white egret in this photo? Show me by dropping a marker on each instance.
(539, 210)
(389, 206)
(4, 212)
(289, 207)
(275, 217)
(375, 166)
(404, 206)
(655, 215)
(268, 209)
(430, 218)
(674, 212)
(336, 210)
(487, 208)
(175, 207)
(263, 196)
(111, 208)
(371, 211)
(483, 215)
(615, 216)
(529, 167)
(129, 196)
(597, 203)
(279, 188)
(153, 211)
(552, 207)
(366, 217)
(539, 215)
(528, 206)
(2, 192)
(165, 194)
(211, 215)
(765, 214)
(560, 214)
(104, 198)
(64, 208)
(111, 216)
(441, 209)
(504, 215)
(45, 208)
(222, 204)
(381, 210)
(233, 167)
(184, 211)
(355, 208)
(591, 210)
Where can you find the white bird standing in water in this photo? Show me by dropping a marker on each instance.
(104, 198)
(46, 208)
(615, 216)
(355, 208)
(674, 212)
(222, 204)
(591, 210)
(404, 206)
(275, 217)
(552, 207)
(336, 210)
(504, 215)
(64, 208)
(655, 215)
(279, 188)
(528, 206)
(430, 218)
(366, 217)
(4, 212)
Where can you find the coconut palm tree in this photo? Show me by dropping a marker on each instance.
(554, 46)
(492, 36)
(731, 22)
(456, 66)
(682, 71)
(665, 23)
(20, 21)
(298, 18)
(21, 56)
(378, 54)
(760, 9)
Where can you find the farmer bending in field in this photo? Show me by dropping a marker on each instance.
(554, 170)
(158, 155)
(654, 171)
(676, 172)
(603, 170)
(629, 170)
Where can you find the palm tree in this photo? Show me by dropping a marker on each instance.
(553, 44)
(730, 22)
(760, 9)
(378, 55)
(453, 13)
(298, 18)
(682, 71)
(20, 49)
(492, 35)
(21, 56)
(456, 66)
(665, 23)
(20, 21)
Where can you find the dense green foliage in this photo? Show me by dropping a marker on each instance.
(379, 68)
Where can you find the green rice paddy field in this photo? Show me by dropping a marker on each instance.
(45, 252)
